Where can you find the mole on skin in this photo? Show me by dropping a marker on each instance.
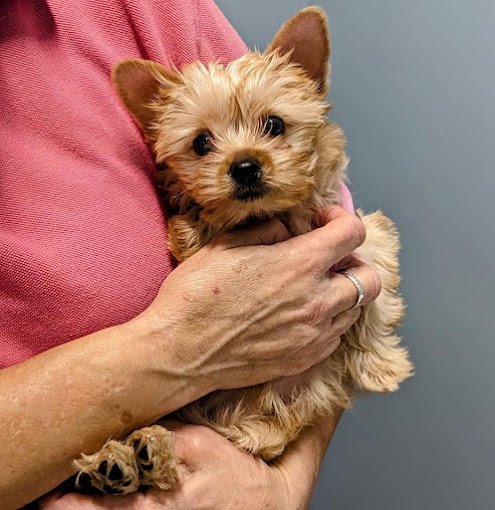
(216, 290)
(126, 417)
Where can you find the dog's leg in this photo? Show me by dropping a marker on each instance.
(112, 470)
(375, 360)
(186, 235)
(154, 453)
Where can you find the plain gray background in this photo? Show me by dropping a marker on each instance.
(413, 86)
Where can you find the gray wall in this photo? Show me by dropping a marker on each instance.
(413, 86)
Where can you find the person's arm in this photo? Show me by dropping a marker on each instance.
(300, 465)
(218, 476)
(71, 399)
(223, 319)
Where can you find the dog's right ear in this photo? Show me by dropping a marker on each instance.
(140, 84)
(306, 37)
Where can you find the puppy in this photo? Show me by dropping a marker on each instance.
(242, 143)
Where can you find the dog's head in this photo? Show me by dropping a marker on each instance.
(238, 141)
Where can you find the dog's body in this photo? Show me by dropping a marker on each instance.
(264, 114)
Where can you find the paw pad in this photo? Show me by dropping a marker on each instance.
(102, 468)
(83, 483)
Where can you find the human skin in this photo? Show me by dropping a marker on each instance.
(225, 318)
(216, 475)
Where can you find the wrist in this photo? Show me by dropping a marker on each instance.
(162, 357)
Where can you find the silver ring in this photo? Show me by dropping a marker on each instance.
(355, 280)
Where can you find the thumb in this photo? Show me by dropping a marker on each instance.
(57, 500)
(266, 233)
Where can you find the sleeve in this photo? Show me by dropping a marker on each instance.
(177, 32)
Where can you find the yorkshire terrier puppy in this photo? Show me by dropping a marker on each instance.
(242, 143)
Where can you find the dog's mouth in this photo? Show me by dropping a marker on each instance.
(250, 193)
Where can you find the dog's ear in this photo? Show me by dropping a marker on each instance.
(139, 84)
(306, 35)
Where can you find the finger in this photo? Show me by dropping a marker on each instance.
(268, 232)
(343, 321)
(73, 501)
(195, 445)
(351, 260)
(337, 326)
(50, 501)
(340, 233)
(183, 449)
(343, 291)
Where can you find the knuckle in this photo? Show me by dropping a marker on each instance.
(311, 259)
(355, 315)
(305, 333)
(194, 440)
(314, 311)
(220, 241)
(348, 319)
(314, 267)
(308, 336)
(278, 226)
(375, 284)
(279, 232)
(357, 231)
(292, 365)
(296, 368)
(334, 343)
(306, 363)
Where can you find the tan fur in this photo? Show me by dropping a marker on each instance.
(303, 169)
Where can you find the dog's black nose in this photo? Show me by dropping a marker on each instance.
(246, 172)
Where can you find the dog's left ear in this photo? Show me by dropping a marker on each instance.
(140, 83)
(306, 34)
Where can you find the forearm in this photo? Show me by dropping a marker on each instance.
(73, 398)
(208, 328)
(301, 463)
(320, 435)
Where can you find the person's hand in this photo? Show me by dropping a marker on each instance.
(216, 475)
(255, 305)
(250, 307)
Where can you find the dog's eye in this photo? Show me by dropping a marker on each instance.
(202, 144)
(274, 126)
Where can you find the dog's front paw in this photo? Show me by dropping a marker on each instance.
(112, 470)
(154, 453)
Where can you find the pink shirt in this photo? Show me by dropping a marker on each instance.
(82, 234)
